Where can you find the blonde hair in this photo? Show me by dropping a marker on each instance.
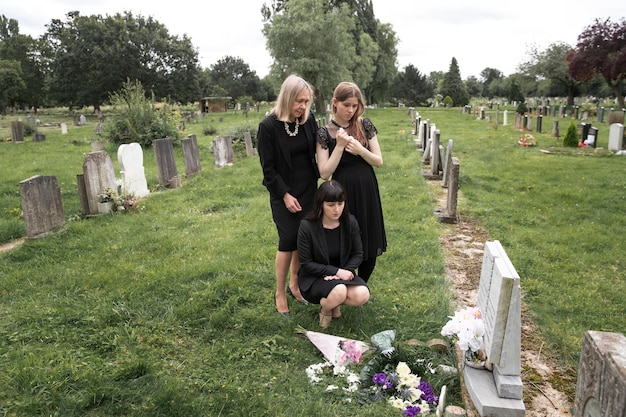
(289, 92)
(344, 91)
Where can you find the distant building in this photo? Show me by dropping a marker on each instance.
(214, 104)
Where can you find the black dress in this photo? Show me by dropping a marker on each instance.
(322, 252)
(289, 166)
(358, 178)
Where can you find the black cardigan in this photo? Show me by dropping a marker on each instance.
(274, 153)
(313, 251)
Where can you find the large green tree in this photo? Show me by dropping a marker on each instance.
(23, 50)
(488, 76)
(380, 88)
(91, 56)
(549, 65)
(11, 83)
(601, 49)
(412, 87)
(453, 86)
(235, 77)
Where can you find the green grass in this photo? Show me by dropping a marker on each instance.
(169, 310)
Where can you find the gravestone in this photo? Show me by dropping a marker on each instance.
(616, 137)
(592, 137)
(98, 175)
(250, 150)
(130, 160)
(505, 118)
(435, 157)
(601, 115)
(166, 163)
(555, 129)
(17, 131)
(63, 128)
(39, 137)
(191, 155)
(601, 385)
(42, 205)
(448, 213)
(82, 120)
(223, 151)
(420, 136)
(446, 164)
(499, 299)
(539, 123)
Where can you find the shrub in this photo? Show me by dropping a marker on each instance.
(571, 136)
(521, 108)
(448, 101)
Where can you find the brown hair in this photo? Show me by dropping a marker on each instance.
(344, 91)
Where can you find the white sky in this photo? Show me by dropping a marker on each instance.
(479, 34)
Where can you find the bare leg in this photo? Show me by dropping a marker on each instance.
(357, 295)
(283, 260)
(293, 281)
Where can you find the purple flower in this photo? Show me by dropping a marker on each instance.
(427, 392)
(380, 379)
(412, 411)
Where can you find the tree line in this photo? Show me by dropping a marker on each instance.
(82, 60)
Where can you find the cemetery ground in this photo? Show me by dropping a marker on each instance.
(169, 309)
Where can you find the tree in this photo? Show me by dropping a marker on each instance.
(11, 83)
(413, 88)
(550, 65)
(453, 85)
(515, 92)
(311, 40)
(384, 76)
(91, 56)
(473, 87)
(236, 78)
(601, 49)
(488, 76)
(24, 50)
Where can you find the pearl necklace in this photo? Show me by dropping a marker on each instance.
(295, 132)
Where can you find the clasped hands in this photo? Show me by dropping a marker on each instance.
(349, 143)
(343, 274)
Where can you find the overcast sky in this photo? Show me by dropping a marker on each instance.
(479, 34)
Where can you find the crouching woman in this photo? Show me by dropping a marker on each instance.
(330, 250)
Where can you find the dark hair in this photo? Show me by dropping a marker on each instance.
(328, 191)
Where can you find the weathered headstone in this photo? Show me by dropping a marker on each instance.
(250, 150)
(539, 123)
(39, 137)
(98, 175)
(42, 205)
(130, 160)
(166, 163)
(223, 151)
(448, 213)
(499, 299)
(601, 115)
(446, 163)
(17, 131)
(555, 129)
(191, 155)
(63, 128)
(616, 137)
(505, 118)
(601, 385)
(82, 120)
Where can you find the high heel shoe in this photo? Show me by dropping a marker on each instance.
(303, 301)
(325, 319)
(284, 314)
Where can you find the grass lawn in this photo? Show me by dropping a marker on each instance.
(169, 310)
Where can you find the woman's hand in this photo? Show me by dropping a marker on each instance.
(292, 203)
(343, 139)
(342, 274)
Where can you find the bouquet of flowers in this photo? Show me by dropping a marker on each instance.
(467, 330)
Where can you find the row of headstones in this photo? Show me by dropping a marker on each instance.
(601, 386)
(443, 166)
(552, 111)
(41, 197)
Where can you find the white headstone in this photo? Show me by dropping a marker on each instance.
(616, 137)
(505, 118)
(130, 159)
(82, 120)
(63, 128)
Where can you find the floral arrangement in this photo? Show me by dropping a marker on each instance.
(393, 374)
(527, 140)
(120, 203)
(467, 329)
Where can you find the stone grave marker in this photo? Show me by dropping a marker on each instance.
(435, 157)
(616, 137)
(446, 163)
(223, 150)
(499, 299)
(448, 213)
(505, 118)
(63, 128)
(555, 129)
(191, 155)
(82, 120)
(601, 115)
(592, 136)
(166, 163)
(98, 175)
(539, 123)
(38, 137)
(250, 150)
(130, 160)
(601, 385)
(17, 131)
(42, 205)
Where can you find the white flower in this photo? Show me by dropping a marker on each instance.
(396, 402)
(402, 369)
(409, 380)
(332, 388)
